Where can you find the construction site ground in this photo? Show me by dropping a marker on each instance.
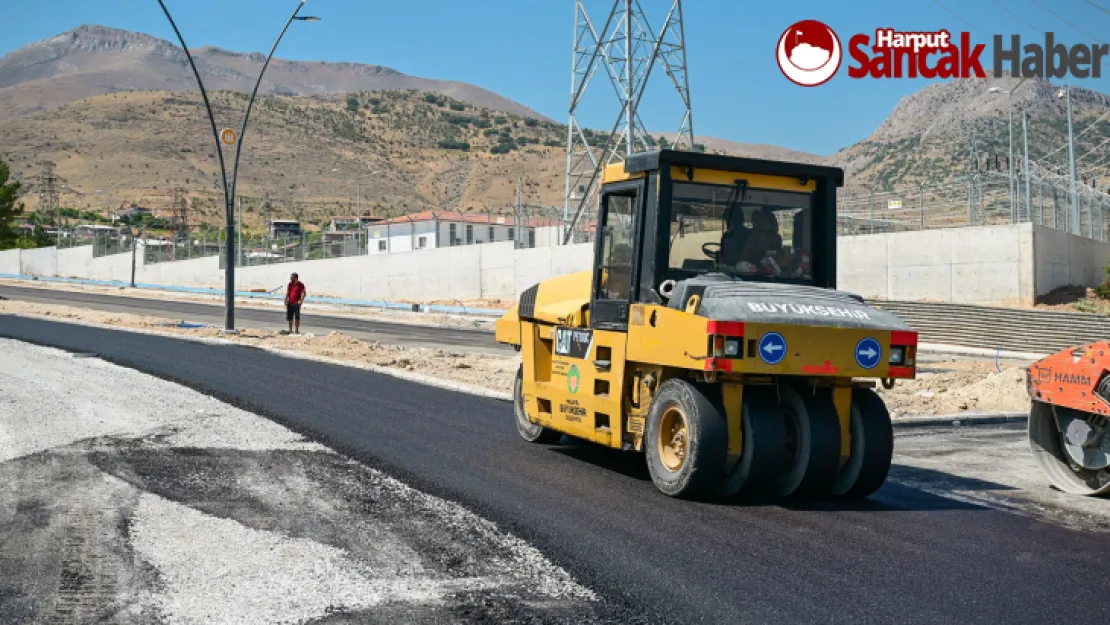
(131, 499)
(945, 385)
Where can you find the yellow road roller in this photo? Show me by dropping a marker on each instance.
(709, 334)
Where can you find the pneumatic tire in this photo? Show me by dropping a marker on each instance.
(872, 445)
(531, 432)
(685, 440)
(764, 445)
(813, 441)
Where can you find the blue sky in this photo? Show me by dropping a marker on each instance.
(524, 54)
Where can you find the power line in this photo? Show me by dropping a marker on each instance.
(1085, 131)
(1065, 20)
(1097, 6)
(1103, 162)
(954, 14)
(1013, 15)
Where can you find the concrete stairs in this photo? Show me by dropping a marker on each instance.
(991, 327)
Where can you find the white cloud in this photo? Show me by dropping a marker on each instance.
(805, 56)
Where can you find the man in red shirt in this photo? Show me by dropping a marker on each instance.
(294, 297)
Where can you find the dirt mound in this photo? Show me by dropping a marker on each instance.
(966, 390)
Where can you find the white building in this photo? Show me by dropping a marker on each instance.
(432, 229)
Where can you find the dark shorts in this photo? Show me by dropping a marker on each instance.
(292, 311)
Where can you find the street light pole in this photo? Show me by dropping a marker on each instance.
(1010, 160)
(229, 189)
(1075, 225)
(1028, 183)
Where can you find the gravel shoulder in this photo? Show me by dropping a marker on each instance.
(129, 499)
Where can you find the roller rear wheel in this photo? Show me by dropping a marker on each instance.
(531, 432)
(812, 441)
(872, 447)
(764, 445)
(685, 440)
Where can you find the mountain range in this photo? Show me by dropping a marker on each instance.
(116, 111)
(93, 60)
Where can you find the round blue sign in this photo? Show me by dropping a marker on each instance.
(869, 353)
(772, 348)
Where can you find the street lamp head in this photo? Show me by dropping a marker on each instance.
(307, 18)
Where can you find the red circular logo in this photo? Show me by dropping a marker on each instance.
(809, 53)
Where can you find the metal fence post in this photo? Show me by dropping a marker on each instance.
(872, 210)
(921, 205)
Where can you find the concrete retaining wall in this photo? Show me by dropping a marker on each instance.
(1064, 259)
(970, 265)
(984, 265)
(9, 262)
(39, 262)
(492, 270)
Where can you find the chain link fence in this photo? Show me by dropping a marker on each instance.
(984, 199)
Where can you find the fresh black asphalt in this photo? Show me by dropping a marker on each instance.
(273, 319)
(903, 557)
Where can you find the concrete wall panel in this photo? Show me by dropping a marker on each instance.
(9, 262)
(39, 262)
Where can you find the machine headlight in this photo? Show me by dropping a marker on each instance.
(732, 348)
(897, 355)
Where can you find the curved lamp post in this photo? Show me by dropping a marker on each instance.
(229, 189)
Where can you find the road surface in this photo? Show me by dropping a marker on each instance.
(906, 556)
(474, 341)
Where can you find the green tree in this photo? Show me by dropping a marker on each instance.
(352, 104)
(9, 209)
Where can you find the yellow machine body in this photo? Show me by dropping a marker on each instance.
(597, 379)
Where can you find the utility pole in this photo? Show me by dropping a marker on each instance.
(518, 210)
(1028, 183)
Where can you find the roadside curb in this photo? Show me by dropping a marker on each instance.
(404, 306)
(960, 419)
(959, 350)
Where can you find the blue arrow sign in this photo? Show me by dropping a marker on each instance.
(869, 353)
(772, 348)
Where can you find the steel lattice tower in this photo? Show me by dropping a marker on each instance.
(629, 51)
(49, 203)
(180, 213)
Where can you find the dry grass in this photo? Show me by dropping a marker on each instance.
(138, 146)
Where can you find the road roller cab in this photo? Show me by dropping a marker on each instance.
(710, 335)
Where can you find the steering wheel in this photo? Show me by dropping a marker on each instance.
(711, 254)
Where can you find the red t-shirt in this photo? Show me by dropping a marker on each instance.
(294, 293)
